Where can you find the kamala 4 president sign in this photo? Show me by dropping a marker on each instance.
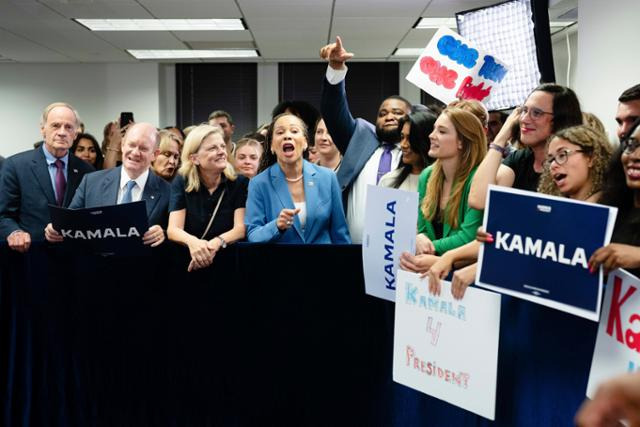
(618, 344)
(389, 230)
(447, 348)
(107, 230)
(541, 248)
(450, 68)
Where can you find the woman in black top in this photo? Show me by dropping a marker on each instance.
(207, 198)
(622, 190)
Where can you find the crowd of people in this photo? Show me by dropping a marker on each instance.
(303, 177)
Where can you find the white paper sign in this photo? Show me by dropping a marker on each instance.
(447, 348)
(451, 68)
(618, 343)
(389, 229)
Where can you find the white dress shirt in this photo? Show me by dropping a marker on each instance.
(367, 176)
(136, 192)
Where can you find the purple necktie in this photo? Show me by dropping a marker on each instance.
(385, 160)
(61, 183)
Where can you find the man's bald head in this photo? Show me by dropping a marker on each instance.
(139, 147)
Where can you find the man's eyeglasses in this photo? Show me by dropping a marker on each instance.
(534, 113)
(630, 145)
(561, 157)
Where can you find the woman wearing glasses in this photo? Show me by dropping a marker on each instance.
(622, 189)
(548, 109)
(577, 159)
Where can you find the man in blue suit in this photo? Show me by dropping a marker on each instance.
(131, 182)
(33, 179)
(368, 152)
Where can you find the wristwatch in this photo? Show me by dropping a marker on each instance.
(224, 243)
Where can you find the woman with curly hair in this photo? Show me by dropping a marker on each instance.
(577, 159)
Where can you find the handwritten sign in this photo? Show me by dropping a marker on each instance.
(451, 68)
(107, 230)
(618, 343)
(447, 348)
(389, 230)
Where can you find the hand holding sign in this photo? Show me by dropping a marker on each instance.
(438, 271)
(417, 263)
(424, 245)
(52, 235)
(336, 54)
(615, 255)
(462, 279)
(154, 236)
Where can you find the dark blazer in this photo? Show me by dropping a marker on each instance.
(269, 194)
(26, 192)
(101, 189)
(355, 138)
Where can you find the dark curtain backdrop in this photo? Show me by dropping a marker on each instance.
(203, 88)
(368, 83)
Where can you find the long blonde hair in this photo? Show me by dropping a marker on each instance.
(470, 133)
(594, 145)
(190, 170)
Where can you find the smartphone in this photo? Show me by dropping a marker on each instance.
(125, 119)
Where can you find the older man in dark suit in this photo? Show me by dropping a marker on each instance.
(36, 178)
(131, 182)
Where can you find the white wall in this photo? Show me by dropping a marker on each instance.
(608, 59)
(565, 58)
(98, 91)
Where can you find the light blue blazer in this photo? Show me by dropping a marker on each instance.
(269, 194)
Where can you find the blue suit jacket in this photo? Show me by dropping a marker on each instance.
(26, 192)
(101, 189)
(269, 194)
(355, 138)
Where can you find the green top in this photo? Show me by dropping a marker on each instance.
(468, 219)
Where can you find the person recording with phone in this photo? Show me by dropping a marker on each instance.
(114, 132)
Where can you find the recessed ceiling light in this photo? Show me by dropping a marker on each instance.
(193, 54)
(162, 24)
(408, 51)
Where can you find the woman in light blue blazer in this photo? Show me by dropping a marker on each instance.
(292, 200)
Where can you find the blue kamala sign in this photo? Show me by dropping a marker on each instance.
(541, 248)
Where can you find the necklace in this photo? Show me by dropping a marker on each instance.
(294, 179)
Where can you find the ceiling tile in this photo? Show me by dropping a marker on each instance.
(192, 8)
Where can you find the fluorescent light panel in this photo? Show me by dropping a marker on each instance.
(430, 23)
(162, 24)
(193, 54)
(408, 51)
(434, 23)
